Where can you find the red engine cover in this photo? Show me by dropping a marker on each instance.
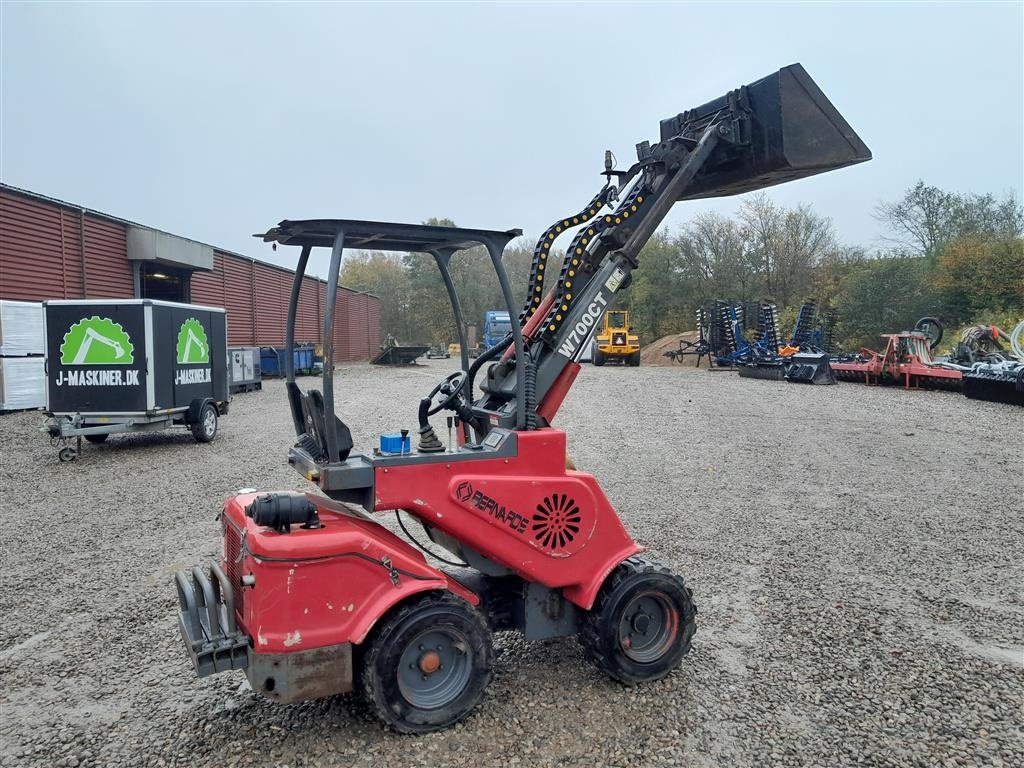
(322, 586)
(528, 513)
(329, 585)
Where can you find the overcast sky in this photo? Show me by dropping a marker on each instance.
(217, 121)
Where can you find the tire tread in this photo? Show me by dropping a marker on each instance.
(591, 627)
(368, 680)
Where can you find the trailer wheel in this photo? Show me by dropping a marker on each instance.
(641, 624)
(97, 439)
(205, 429)
(67, 453)
(426, 665)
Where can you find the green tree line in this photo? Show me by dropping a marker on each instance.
(959, 257)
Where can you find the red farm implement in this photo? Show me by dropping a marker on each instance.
(907, 359)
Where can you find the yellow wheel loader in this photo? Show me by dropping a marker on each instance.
(614, 343)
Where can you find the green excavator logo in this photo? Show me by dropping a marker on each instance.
(193, 348)
(96, 341)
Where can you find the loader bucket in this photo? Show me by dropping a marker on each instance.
(810, 368)
(793, 131)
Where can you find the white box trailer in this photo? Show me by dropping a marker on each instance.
(131, 365)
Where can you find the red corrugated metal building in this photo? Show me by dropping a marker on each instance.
(50, 249)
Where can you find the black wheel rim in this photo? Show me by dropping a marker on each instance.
(435, 668)
(648, 627)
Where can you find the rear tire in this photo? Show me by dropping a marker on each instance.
(97, 439)
(641, 624)
(426, 665)
(205, 429)
(633, 361)
(599, 358)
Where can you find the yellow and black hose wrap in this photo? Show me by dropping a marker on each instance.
(542, 250)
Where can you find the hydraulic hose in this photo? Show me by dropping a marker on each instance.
(486, 357)
(1017, 340)
(531, 395)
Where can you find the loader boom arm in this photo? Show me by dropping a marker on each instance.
(599, 262)
(777, 129)
(774, 130)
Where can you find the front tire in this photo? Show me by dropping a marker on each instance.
(641, 624)
(426, 665)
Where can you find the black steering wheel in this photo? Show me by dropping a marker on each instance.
(450, 388)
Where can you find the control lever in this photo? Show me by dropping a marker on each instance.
(449, 420)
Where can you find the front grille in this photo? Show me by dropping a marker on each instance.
(233, 561)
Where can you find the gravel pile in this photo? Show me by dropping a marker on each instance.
(857, 555)
(654, 353)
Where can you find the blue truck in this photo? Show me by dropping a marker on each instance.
(497, 325)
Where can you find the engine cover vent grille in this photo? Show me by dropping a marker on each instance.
(233, 561)
(556, 521)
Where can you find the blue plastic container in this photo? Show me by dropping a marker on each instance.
(395, 444)
(303, 355)
(270, 363)
(273, 359)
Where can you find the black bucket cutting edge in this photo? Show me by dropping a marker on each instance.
(810, 368)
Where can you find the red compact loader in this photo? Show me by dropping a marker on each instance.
(313, 597)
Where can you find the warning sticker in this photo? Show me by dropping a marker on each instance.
(613, 282)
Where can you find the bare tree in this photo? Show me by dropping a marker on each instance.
(714, 254)
(926, 219)
(920, 220)
(785, 245)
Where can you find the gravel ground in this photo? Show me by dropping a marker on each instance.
(856, 554)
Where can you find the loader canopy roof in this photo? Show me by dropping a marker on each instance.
(384, 236)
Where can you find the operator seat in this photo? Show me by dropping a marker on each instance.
(310, 422)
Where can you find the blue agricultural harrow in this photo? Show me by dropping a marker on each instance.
(802, 358)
